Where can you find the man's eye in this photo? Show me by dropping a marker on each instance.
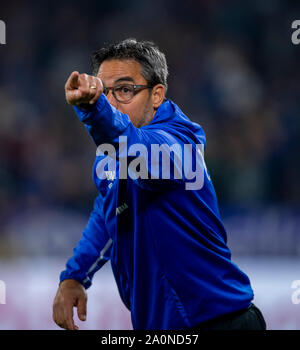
(124, 89)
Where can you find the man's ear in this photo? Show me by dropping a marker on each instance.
(158, 95)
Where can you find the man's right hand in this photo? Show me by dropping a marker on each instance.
(69, 294)
(83, 89)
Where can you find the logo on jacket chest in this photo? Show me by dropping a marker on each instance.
(110, 175)
(121, 208)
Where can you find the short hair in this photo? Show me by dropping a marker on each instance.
(152, 60)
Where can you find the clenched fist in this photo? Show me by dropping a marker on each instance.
(83, 89)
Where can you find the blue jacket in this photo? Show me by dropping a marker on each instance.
(166, 243)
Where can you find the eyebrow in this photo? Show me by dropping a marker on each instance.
(123, 79)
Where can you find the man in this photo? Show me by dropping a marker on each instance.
(161, 231)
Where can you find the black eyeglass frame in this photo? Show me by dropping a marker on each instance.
(136, 89)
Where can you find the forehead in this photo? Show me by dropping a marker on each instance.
(110, 71)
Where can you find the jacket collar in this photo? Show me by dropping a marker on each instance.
(164, 112)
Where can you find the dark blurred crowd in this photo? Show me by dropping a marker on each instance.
(232, 66)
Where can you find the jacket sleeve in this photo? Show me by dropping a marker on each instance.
(107, 125)
(92, 251)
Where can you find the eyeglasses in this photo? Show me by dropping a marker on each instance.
(124, 93)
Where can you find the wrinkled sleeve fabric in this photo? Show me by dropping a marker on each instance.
(92, 251)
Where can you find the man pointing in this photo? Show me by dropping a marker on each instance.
(166, 244)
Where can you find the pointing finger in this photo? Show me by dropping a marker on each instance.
(72, 82)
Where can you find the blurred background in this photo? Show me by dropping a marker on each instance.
(233, 69)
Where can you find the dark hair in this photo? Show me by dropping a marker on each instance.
(151, 59)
